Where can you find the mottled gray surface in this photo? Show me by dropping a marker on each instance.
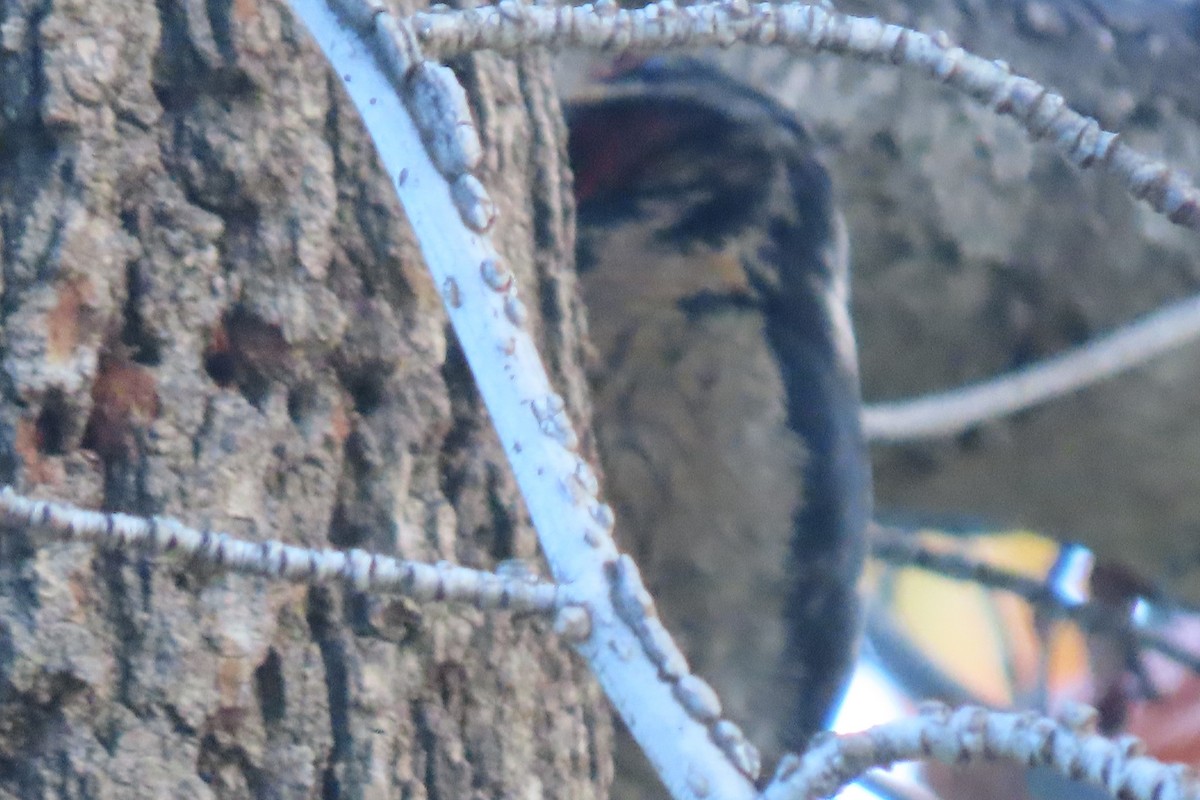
(212, 308)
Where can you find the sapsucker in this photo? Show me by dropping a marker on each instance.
(713, 265)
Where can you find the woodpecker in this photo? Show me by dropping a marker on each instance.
(714, 268)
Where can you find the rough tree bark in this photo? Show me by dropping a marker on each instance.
(212, 308)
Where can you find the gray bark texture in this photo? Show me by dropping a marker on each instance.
(213, 308)
(975, 251)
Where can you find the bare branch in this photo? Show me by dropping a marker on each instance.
(511, 25)
(955, 411)
(904, 550)
(364, 571)
(1070, 747)
(415, 111)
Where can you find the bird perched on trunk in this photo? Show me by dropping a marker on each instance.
(714, 267)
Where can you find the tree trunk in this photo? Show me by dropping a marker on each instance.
(214, 309)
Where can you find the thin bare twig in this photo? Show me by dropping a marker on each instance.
(955, 411)
(362, 570)
(512, 25)
(1070, 747)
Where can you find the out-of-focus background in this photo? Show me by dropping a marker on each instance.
(975, 251)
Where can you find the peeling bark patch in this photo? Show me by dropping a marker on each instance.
(339, 424)
(230, 680)
(124, 403)
(248, 352)
(63, 321)
(244, 10)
